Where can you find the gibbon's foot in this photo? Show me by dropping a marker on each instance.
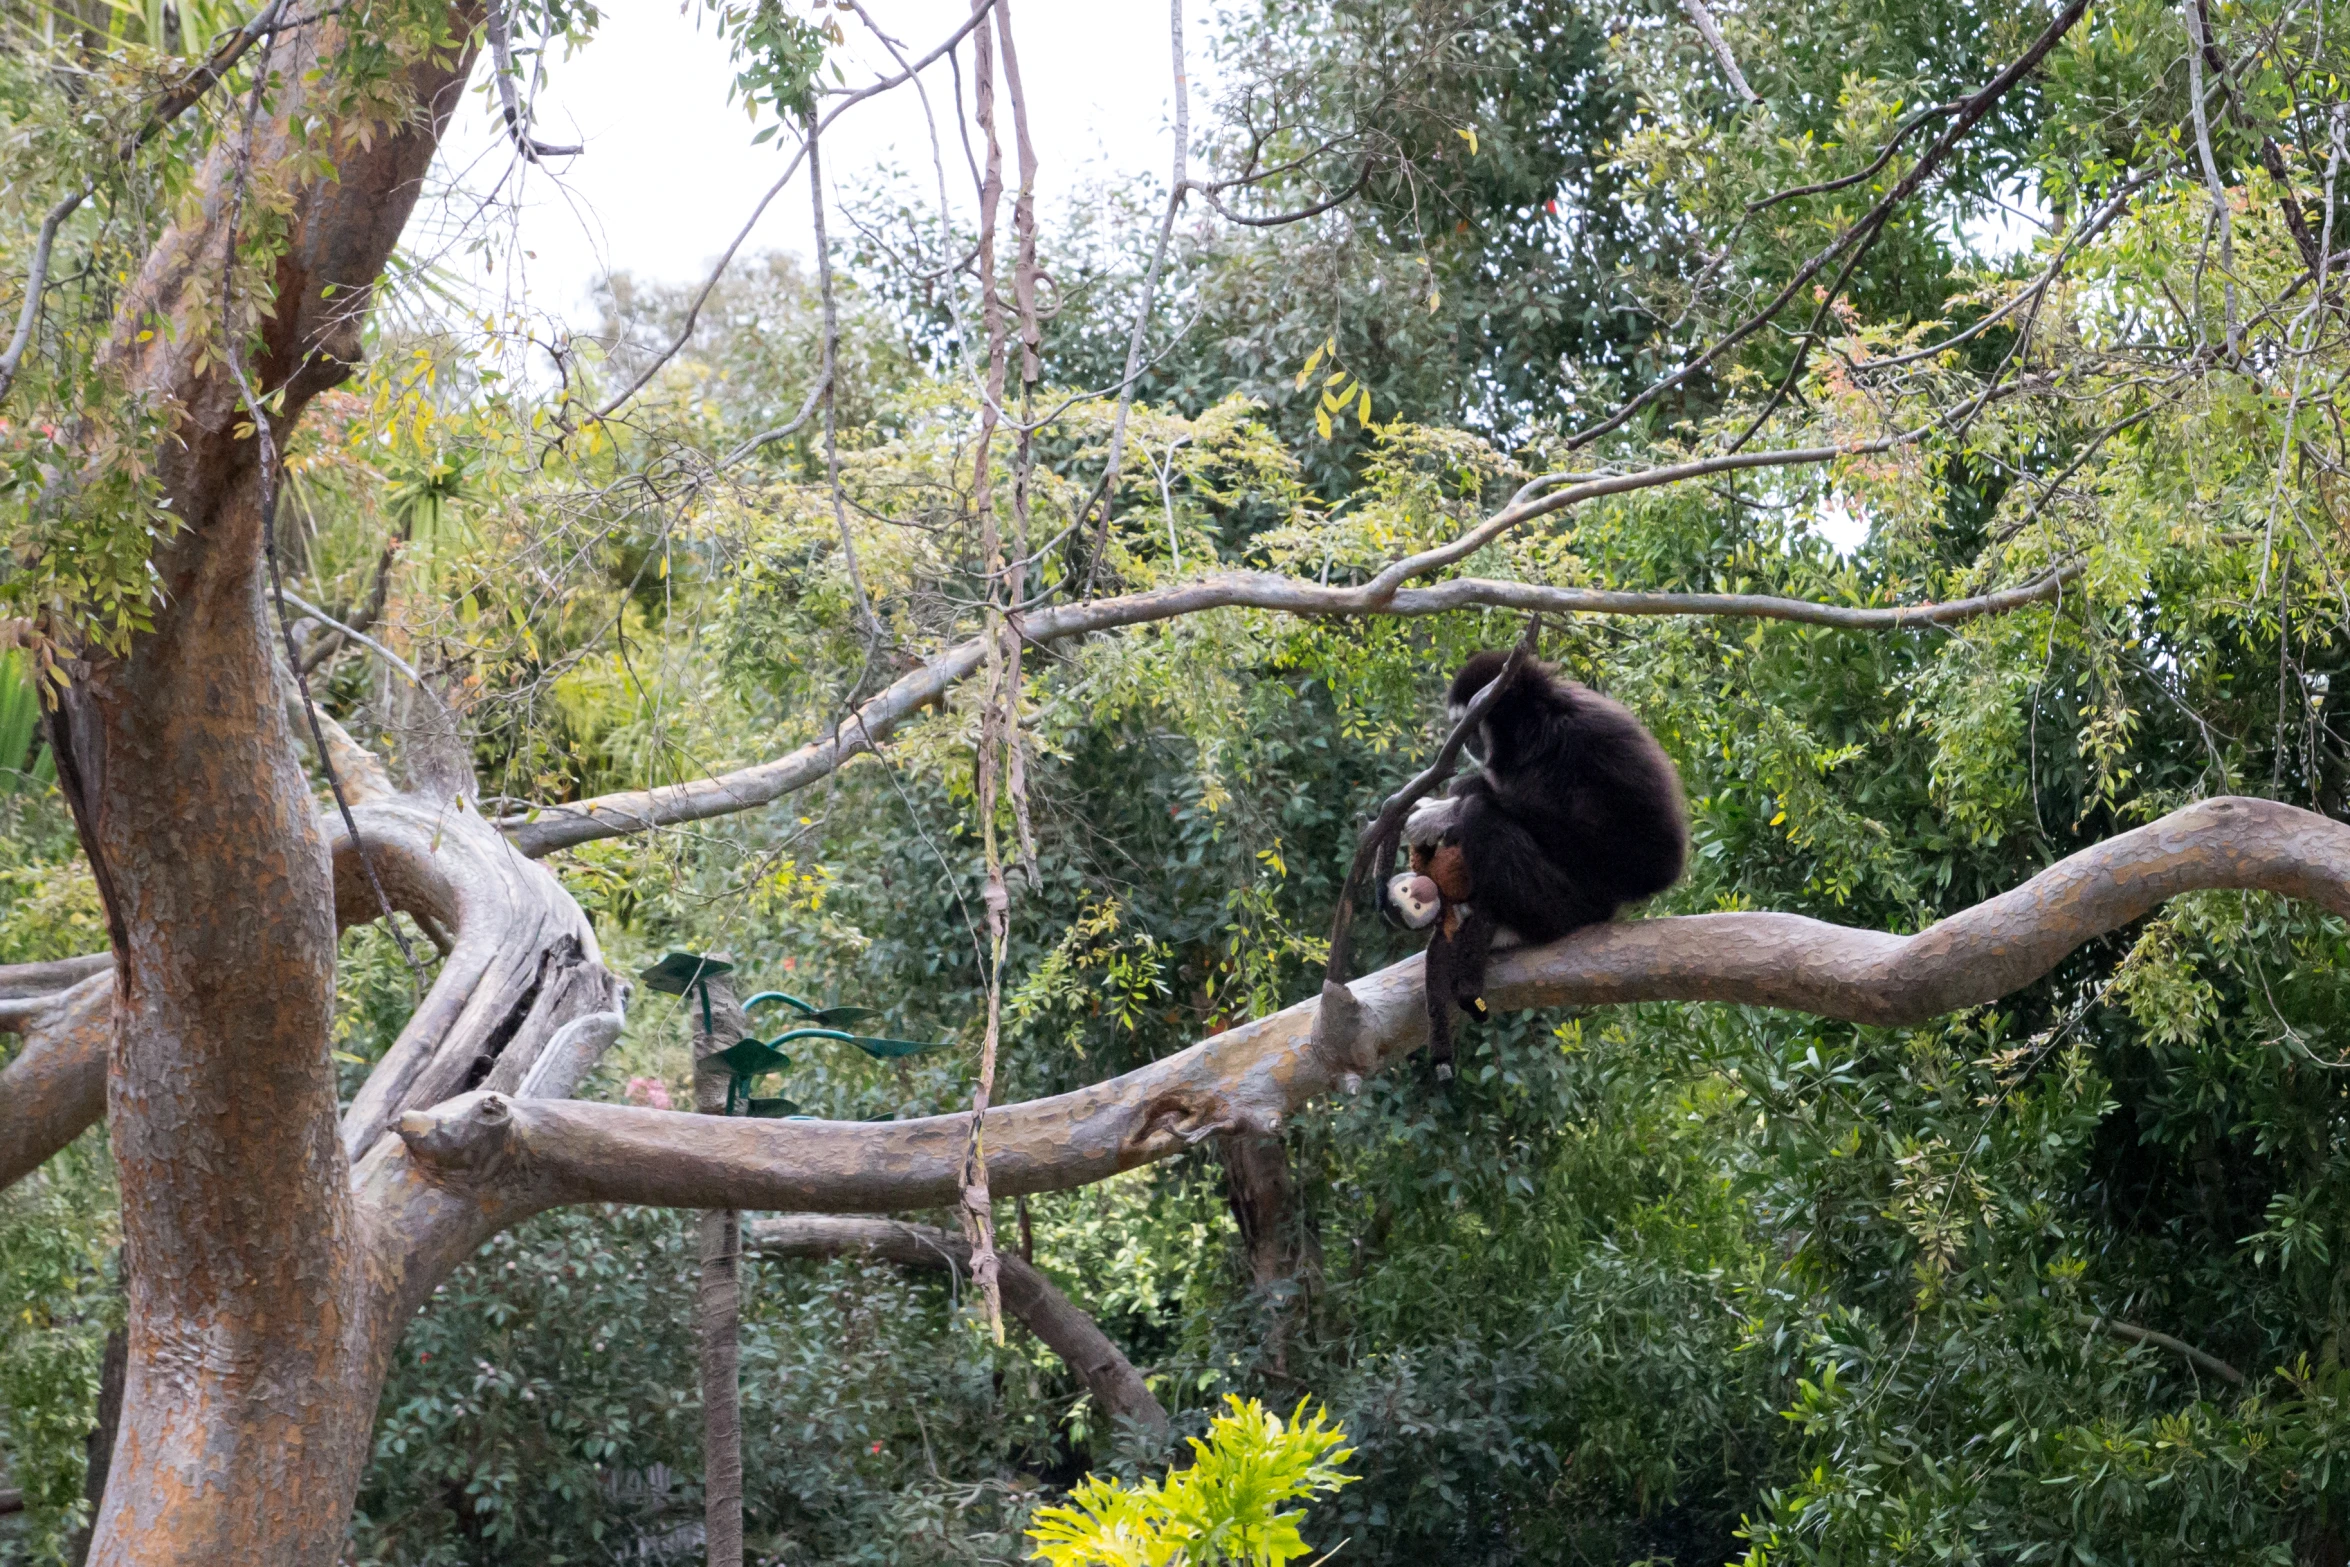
(1413, 901)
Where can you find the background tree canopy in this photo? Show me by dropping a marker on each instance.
(2062, 1278)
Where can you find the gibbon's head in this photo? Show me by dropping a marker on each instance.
(1474, 677)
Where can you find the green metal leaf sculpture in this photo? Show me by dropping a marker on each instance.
(752, 1058)
(825, 1017)
(679, 972)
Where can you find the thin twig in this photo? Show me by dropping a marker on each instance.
(2221, 215)
(360, 637)
(1106, 493)
(694, 312)
(1860, 234)
(1702, 18)
(2180, 1347)
(502, 67)
(828, 380)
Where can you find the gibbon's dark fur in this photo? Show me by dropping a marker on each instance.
(1574, 811)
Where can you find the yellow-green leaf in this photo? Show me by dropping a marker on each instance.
(1469, 135)
(1322, 423)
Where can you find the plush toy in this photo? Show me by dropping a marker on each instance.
(1434, 896)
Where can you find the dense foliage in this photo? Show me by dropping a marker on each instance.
(2063, 1279)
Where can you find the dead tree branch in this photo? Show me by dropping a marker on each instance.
(1701, 17)
(508, 1158)
(2131, 1332)
(640, 810)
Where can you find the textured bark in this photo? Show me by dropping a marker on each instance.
(252, 1358)
(1028, 1295)
(514, 1158)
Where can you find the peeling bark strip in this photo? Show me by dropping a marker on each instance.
(1056, 1320)
(1000, 708)
(524, 964)
(516, 1158)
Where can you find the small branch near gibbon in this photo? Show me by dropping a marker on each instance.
(1029, 1296)
(501, 1159)
(1339, 1019)
(2130, 1331)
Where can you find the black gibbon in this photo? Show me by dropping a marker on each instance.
(1574, 811)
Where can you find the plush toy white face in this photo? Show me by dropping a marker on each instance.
(1414, 899)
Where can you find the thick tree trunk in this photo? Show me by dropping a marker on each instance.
(253, 1354)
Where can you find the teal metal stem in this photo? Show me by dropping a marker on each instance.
(785, 996)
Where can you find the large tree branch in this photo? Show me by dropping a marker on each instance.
(1028, 1295)
(639, 810)
(524, 964)
(509, 1158)
(55, 1087)
(522, 1002)
(24, 981)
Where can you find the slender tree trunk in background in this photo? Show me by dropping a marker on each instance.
(1282, 1256)
(719, 1320)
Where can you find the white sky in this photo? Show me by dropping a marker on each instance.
(669, 173)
